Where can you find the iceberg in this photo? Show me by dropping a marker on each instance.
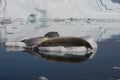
(108, 9)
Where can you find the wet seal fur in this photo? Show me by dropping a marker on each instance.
(38, 40)
(66, 42)
(53, 39)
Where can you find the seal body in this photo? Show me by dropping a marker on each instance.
(38, 40)
(65, 42)
(53, 39)
(34, 41)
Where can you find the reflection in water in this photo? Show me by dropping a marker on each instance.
(42, 78)
(66, 58)
(104, 65)
(70, 57)
(8, 48)
(104, 60)
(116, 68)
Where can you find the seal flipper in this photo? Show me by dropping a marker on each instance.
(52, 34)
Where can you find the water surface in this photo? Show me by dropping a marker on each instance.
(105, 65)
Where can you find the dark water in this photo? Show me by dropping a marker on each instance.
(23, 66)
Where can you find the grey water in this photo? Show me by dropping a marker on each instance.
(22, 65)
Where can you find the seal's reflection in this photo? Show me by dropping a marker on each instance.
(68, 57)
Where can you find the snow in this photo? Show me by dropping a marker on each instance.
(60, 9)
(15, 44)
(98, 19)
(98, 30)
(92, 43)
